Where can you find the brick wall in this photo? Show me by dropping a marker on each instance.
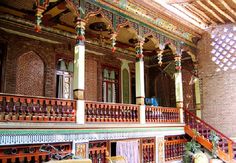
(218, 90)
(16, 47)
(91, 85)
(30, 75)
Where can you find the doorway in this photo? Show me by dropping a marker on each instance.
(2, 64)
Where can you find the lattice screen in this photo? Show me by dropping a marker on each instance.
(224, 47)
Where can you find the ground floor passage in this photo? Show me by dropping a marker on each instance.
(134, 145)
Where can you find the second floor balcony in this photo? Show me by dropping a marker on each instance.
(29, 109)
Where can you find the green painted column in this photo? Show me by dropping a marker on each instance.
(79, 71)
(139, 72)
(139, 79)
(197, 92)
(179, 86)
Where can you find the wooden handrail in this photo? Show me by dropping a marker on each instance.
(37, 97)
(22, 108)
(209, 126)
(162, 114)
(111, 112)
(226, 141)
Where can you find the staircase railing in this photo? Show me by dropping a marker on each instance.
(227, 147)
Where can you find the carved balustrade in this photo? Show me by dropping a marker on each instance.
(107, 112)
(162, 114)
(36, 109)
(226, 146)
(148, 150)
(98, 151)
(174, 147)
(30, 153)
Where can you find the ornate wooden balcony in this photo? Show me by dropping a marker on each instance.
(36, 109)
(19, 108)
(162, 114)
(111, 112)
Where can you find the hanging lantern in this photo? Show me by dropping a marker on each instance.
(159, 57)
(113, 41)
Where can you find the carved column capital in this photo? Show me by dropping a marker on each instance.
(80, 31)
(139, 48)
(178, 62)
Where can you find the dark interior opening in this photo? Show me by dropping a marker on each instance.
(113, 148)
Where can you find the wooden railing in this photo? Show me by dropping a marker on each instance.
(162, 114)
(107, 112)
(148, 150)
(98, 151)
(227, 147)
(36, 109)
(174, 147)
(30, 153)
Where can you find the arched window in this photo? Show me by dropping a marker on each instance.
(64, 79)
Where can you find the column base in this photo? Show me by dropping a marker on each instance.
(78, 94)
(179, 105)
(140, 100)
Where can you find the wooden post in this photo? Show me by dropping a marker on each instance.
(79, 71)
(230, 150)
(139, 79)
(179, 86)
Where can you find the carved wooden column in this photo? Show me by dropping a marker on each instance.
(139, 78)
(179, 85)
(160, 150)
(79, 70)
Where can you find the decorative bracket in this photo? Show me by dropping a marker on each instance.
(41, 6)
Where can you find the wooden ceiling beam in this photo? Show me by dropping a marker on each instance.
(194, 12)
(56, 9)
(190, 14)
(200, 13)
(228, 7)
(178, 1)
(210, 11)
(220, 11)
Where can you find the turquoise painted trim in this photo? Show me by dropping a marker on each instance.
(82, 131)
(140, 22)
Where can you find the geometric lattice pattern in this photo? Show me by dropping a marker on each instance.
(223, 42)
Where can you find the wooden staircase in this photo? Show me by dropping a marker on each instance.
(227, 147)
